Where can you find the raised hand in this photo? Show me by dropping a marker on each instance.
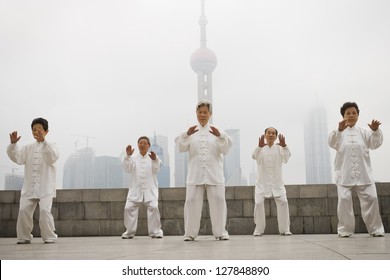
(215, 131)
(262, 141)
(343, 124)
(374, 125)
(192, 130)
(152, 155)
(129, 150)
(14, 137)
(282, 140)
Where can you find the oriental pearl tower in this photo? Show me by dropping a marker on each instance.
(203, 62)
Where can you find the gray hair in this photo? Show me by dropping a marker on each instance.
(205, 103)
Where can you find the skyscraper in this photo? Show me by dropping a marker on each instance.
(83, 170)
(317, 152)
(108, 172)
(13, 182)
(79, 169)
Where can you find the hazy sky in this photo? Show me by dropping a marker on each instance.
(115, 70)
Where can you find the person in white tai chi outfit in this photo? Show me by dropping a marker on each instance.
(39, 186)
(143, 189)
(353, 171)
(270, 157)
(206, 146)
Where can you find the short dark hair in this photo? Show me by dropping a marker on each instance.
(347, 105)
(265, 131)
(41, 121)
(144, 137)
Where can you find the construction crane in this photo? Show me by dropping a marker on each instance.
(86, 165)
(87, 137)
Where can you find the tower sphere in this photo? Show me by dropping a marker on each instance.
(203, 60)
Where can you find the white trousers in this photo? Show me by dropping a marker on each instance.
(283, 214)
(25, 224)
(369, 209)
(153, 215)
(193, 209)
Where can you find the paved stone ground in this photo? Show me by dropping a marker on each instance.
(239, 247)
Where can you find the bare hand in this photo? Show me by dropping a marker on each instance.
(262, 141)
(129, 150)
(343, 124)
(14, 137)
(215, 131)
(152, 155)
(374, 125)
(282, 140)
(192, 130)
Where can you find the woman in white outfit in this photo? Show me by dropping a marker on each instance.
(270, 157)
(206, 146)
(39, 186)
(353, 171)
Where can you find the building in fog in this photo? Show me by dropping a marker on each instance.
(13, 182)
(317, 151)
(83, 170)
(108, 172)
(79, 170)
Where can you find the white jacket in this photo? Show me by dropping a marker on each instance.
(143, 183)
(352, 164)
(39, 168)
(205, 153)
(269, 169)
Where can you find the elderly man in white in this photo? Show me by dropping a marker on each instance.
(143, 189)
(206, 146)
(353, 171)
(269, 157)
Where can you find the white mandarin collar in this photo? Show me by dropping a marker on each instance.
(207, 126)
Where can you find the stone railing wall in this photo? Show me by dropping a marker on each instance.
(99, 212)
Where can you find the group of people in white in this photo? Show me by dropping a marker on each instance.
(206, 146)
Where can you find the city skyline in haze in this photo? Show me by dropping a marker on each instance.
(119, 70)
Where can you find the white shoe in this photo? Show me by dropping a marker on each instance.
(189, 238)
(344, 235)
(156, 236)
(22, 241)
(225, 237)
(378, 234)
(127, 236)
(287, 233)
(257, 233)
(49, 241)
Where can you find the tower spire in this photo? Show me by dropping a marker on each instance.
(202, 23)
(203, 62)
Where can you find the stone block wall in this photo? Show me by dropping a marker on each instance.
(99, 212)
